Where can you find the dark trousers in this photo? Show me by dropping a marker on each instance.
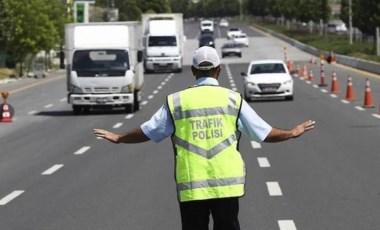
(195, 214)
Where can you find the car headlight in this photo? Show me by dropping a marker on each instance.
(250, 84)
(288, 82)
(75, 89)
(127, 89)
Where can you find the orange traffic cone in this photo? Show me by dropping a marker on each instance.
(334, 84)
(298, 71)
(304, 71)
(350, 95)
(311, 75)
(5, 109)
(368, 103)
(313, 61)
(290, 66)
(322, 75)
(5, 114)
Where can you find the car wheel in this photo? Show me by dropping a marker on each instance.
(239, 55)
(77, 110)
(289, 98)
(246, 97)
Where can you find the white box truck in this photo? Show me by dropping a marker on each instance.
(104, 65)
(163, 39)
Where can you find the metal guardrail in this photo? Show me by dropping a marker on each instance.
(369, 66)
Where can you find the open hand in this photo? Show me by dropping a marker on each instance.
(113, 137)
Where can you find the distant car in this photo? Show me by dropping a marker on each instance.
(241, 39)
(207, 25)
(231, 49)
(206, 40)
(233, 31)
(337, 26)
(223, 23)
(267, 79)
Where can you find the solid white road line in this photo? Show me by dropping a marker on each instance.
(5, 200)
(263, 162)
(117, 125)
(52, 169)
(255, 145)
(274, 188)
(82, 150)
(286, 225)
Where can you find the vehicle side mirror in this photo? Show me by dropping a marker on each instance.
(243, 74)
(139, 56)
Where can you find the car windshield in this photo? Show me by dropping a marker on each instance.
(90, 63)
(267, 68)
(206, 38)
(234, 29)
(230, 45)
(162, 41)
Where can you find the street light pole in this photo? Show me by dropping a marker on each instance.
(241, 9)
(350, 19)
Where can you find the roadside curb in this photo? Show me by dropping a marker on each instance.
(369, 66)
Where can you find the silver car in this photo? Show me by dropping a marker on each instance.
(231, 49)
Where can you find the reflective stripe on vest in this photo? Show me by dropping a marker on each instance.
(210, 183)
(219, 170)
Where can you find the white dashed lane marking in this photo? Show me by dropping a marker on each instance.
(82, 150)
(255, 145)
(129, 116)
(274, 188)
(48, 106)
(263, 162)
(117, 125)
(286, 225)
(33, 112)
(8, 198)
(52, 169)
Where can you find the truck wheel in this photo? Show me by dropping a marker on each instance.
(77, 110)
(129, 108)
(136, 102)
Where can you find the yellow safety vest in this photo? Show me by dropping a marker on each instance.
(205, 140)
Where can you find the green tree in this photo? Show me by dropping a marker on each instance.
(366, 15)
(129, 10)
(32, 27)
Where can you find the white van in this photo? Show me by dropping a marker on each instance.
(207, 26)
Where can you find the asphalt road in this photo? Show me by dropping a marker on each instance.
(55, 174)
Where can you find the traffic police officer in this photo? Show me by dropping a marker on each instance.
(205, 122)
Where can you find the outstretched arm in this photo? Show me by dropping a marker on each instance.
(133, 136)
(277, 135)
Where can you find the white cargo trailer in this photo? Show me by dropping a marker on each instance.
(104, 65)
(163, 38)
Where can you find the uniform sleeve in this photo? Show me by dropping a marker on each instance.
(251, 124)
(160, 125)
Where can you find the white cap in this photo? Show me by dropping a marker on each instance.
(205, 54)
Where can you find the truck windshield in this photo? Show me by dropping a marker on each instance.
(162, 41)
(100, 63)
